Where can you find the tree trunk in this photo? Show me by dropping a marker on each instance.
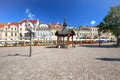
(118, 41)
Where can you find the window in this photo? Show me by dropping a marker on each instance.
(20, 34)
(20, 29)
(15, 29)
(15, 34)
(11, 28)
(11, 34)
(5, 28)
(52, 33)
(5, 34)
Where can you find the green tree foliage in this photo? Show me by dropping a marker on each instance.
(111, 22)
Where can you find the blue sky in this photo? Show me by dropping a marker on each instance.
(76, 12)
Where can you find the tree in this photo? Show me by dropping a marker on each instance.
(111, 22)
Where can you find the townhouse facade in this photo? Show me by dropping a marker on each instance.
(2, 30)
(53, 28)
(108, 35)
(94, 32)
(40, 31)
(90, 32)
(43, 32)
(9, 31)
(87, 32)
(84, 32)
(23, 28)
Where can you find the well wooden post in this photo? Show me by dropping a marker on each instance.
(63, 40)
(72, 40)
(67, 41)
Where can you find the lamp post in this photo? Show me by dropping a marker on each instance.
(29, 28)
(30, 43)
(99, 36)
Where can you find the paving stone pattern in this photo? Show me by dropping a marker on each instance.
(50, 63)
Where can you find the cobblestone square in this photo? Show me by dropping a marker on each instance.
(50, 63)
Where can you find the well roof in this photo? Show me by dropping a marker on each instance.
(65, 32)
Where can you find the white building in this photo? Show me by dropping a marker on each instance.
(108, 35)
(9, 31)
(43, 32)
(2, 30)
(23, 32)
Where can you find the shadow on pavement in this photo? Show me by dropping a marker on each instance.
(17, 55)
(97, 46)
(108, 59)
(50, 47)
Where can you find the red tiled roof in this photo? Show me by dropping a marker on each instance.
(8, 24)
(53, 26)
(32, 21)
(2, 25)
(22, 21)
(13, 23)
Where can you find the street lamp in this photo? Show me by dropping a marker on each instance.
(29, 28)
(99, 36)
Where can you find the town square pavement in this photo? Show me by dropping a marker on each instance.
(84, 62)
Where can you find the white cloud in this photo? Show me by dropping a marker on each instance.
(29, 13)
(27, 10)
(93, 22)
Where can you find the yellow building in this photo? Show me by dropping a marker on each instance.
(93, 32)
(83, 32)
(87, 32)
